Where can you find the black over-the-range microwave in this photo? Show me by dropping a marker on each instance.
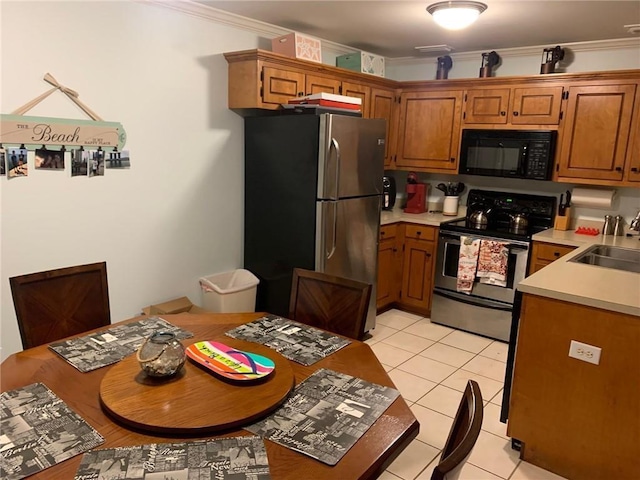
(508, 153)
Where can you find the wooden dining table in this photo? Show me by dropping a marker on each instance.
(368, 458)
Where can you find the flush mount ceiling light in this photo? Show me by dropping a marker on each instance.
(455, 15)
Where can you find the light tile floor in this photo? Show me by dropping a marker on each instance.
(430, 365)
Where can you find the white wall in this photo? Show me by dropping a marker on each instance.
(177, 214)
(598, 56)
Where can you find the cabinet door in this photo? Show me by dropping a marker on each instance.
(387, 287)
(633, 162)
(363, 92)
(429, 133)
(596, 131)
(383, 106)
(280, 86)
(318, 84)
(417, 273)
(542, 254)
(536, 106)
(486, 106)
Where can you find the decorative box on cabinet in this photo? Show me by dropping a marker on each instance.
(296, 45)
(362, 62)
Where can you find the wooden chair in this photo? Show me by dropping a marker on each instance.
(336, 304)
(58, 303)
(463, 434)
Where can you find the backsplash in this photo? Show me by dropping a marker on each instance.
(626, 201)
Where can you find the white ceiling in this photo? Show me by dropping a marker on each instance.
(394, 28)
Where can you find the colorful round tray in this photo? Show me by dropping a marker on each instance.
(229, 362)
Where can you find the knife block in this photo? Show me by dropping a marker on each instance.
(562, 223)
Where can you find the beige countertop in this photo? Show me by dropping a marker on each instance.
(434, 219)
(591, 285)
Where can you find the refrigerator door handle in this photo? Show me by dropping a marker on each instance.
(334, 236)
(336, 146)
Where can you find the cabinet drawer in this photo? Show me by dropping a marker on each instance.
(420, 232)
(549, 251)
(388, 231)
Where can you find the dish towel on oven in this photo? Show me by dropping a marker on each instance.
(467, 264)
(493, 262)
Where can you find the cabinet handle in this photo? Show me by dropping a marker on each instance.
(395, 249)
(515, 114)
(503, 114)
(427, 255)
(556, 254)
(452, 159)
(301, 94)
(381, 233)
(618, 169)
(634, 169)
(418, 232)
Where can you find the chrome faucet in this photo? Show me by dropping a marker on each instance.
(635, 223)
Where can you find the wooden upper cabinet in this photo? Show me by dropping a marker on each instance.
(318, 84)
(633, 163)
(280, 86)
(486, 106)
(536, 106)
(383, 105)
(429, 132)
(596, 132)
(363, 92)
(515, 106)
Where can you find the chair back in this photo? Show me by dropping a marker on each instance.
(332, 303)
(463, 434)
(58, 303)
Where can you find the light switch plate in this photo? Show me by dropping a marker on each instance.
(585, 352)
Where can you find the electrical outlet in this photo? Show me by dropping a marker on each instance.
(585, 352)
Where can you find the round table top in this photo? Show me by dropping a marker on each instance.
(194, 401)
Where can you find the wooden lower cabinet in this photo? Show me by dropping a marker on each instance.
(389, 266)
(405, 268)
(574, 418)
(542, 254)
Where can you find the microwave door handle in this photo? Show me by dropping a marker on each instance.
(524, 159)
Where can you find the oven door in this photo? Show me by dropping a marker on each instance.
(447, 268)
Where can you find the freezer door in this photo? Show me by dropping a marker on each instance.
(351, 156)
(347, 242)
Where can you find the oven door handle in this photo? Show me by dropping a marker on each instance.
(476, 301)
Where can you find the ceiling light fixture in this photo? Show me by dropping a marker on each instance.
(456, 15)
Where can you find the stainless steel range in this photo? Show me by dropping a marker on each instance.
(510, 219)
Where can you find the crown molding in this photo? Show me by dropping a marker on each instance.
(262, 29)
(268, 30)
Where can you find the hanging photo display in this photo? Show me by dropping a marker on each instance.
(50, 159)
(17, 162)
(87, 143)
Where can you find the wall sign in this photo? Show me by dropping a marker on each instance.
(89, 141)
(38, 131)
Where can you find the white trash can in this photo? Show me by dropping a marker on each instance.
(230, 292)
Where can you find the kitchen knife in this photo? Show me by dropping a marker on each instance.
(567, 204)
(561, 207)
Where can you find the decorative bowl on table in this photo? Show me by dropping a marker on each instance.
(161, 355)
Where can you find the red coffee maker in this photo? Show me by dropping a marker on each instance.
(416, 195)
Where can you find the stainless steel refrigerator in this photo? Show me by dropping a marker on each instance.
(313, 193)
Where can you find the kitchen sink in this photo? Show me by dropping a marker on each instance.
(606, 256)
